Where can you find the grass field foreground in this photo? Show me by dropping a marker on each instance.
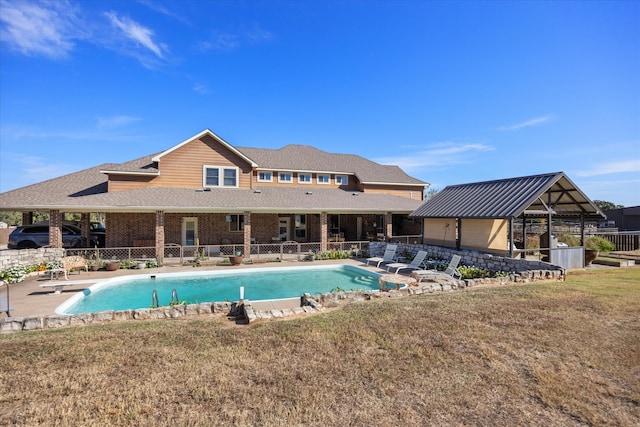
(555, 354)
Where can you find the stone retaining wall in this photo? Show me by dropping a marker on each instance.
(11, 258)
(474, 258)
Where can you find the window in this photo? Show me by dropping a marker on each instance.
(301, 226)
(304, 178)
(219, 176)
(285, 177)
(324, 179)
(236, 223)
(265, 176)
(342, 180)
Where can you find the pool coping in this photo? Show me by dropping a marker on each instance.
(29, 299)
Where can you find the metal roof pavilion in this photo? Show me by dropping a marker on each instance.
(552, 194)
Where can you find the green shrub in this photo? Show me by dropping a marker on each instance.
(599, 244)
(569, 239)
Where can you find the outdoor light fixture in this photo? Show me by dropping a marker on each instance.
(228, 218)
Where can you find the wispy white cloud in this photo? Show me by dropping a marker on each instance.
(201, 89)
(138, 33)
(528, 123)
(30, 169)
(607, 168)
(39, 28)
(116, 121)
(158, 7)
(225, 41)
(437, 156)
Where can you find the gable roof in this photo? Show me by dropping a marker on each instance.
(509, 198)
(205, 132)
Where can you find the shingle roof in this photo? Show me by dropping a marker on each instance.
(510, 198)
(86, 191)
(306, 158)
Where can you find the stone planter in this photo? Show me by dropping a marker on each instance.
(94, 267)
(112, 266)
(235, 259)
(142, 265)
(589, 256)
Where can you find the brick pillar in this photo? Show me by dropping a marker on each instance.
(85, 228)
(323, 231)
(247, 234)
(55, 228)
(388, 226)
(27, 218)
(160, 237)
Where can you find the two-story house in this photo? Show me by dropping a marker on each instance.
(205, 191)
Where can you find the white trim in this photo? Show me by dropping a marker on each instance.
(342, 178)
(265, 180)
(328, 182)
(200, 135)
(305, 182)
(284, 180)
(221, 170)
(108, 172)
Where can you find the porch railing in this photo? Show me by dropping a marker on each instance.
(178, 254)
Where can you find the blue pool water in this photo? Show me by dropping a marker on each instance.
(133, 292)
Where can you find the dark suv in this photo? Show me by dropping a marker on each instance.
(37, 235)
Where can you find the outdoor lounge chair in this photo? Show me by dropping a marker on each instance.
(451, 271)
(415, 264)
(389, 256)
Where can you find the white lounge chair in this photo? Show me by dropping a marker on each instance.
(451, 271)
(415, 264)
(389, 256)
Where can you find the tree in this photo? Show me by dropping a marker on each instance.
(430, 193)
(606, 206)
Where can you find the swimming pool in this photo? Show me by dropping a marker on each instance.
(134, 292)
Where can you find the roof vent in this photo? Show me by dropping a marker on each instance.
(206, 189)
(355, 194)
(309, 193)
(199, 190)
(257, 191)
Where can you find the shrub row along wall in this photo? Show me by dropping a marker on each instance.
(472, 258)
(25, 257)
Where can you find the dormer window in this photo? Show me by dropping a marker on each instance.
(285, 177)
(265, 177)
(342, 180)
(304, 178)
(324, 179)
(220, 176)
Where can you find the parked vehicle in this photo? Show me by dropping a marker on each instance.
(37, 235)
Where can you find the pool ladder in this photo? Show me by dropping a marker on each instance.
(154, 298)
(174, 297)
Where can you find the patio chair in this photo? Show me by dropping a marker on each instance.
(389, 256)
(451, 271)
(416, 264)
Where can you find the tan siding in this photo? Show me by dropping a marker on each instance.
(414, 193)
(440, 231)
(484, 234)
(124, 182)
(314, 182)
(184, 166)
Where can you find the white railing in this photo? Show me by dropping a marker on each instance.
(178, 254)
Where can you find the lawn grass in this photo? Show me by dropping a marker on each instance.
(554, 354)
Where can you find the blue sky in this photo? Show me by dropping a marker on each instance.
(453, 92)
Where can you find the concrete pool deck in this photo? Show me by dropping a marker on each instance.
(29, 298)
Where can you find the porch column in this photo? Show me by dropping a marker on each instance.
(323, 231)
(247, 234)
(27, 218)
(55, 228)
(388, 226)
(85, 228)
(160, 237)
